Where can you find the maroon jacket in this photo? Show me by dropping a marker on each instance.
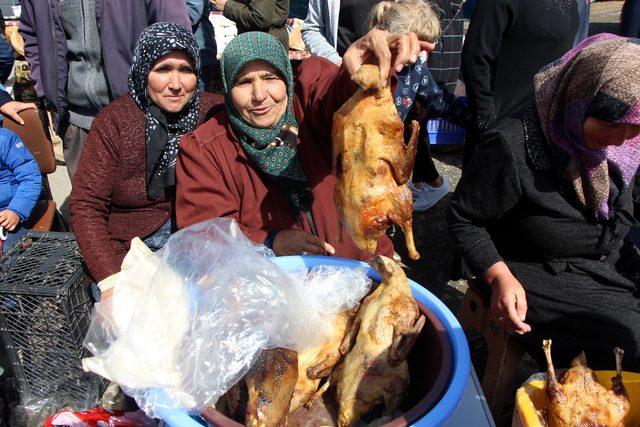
(109, 204)
(215, 178)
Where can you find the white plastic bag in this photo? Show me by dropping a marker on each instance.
(186, 323)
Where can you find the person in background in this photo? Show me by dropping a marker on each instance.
(417, 95)
(507, 43)
(630, 19)
(265, 160)
(269, 16)
(584, 9)
(20, 187)
(125, 184)
(543, 209)
(6, 53)
(444, 60)
(333, 25)
(80, 52)
(630, 27)
(202, 28)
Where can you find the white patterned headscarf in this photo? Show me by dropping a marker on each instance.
(163, 130)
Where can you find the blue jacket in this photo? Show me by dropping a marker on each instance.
(20, 177)
(120, 23)
(202, 28)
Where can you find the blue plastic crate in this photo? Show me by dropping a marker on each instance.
(444, 132)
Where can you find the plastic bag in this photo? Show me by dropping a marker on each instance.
(184, 324)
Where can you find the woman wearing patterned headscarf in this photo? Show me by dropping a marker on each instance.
(266, 159)
(125, 184)
(543, 214)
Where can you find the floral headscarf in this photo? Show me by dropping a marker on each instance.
(163, 130)
(599, 78)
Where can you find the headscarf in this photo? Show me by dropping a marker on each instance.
(278, 161)
(598, 78)
(163, 129)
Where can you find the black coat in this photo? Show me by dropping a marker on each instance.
(581, 276)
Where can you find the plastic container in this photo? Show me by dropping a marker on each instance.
(44, 314)
(532, 397)
(439, 361)
(444, 132)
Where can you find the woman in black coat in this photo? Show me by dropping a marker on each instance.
(542, 211)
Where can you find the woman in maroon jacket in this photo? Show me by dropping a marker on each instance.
(265, 160)
(125, 183)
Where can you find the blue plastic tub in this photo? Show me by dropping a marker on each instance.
(443, 132)
(450, 354)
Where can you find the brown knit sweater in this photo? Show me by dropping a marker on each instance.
(109, 204)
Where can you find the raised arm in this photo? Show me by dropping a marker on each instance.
(314, 30)
(90, 202)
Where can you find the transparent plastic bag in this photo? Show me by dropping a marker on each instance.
(184, 324)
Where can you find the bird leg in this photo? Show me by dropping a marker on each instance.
(553, 387)
(618, 386)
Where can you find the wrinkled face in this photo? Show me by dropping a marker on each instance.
(259, 95)
(172, 82)
(599, 134)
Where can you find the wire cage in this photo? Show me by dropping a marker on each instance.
(44, 315)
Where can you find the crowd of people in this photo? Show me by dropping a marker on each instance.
(546, 200)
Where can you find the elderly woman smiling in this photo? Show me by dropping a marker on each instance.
(125, 183)
(266, 159)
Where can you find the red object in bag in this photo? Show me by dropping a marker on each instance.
(98, 417)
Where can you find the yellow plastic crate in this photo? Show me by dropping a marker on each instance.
(531, 397)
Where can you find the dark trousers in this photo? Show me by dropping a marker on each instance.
(72, 145)
(424, 170)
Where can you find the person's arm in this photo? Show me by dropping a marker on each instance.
(322, 88)
(313, 33)
(27, 30)
(12, 108)
(196, 11)
(488, 189)
(168, 11)
(90, 200)
(255, 14)
(481, 47)
(202, 192)
(26, 171)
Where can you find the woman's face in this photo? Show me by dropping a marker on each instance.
(599, 134)
(172, 82)
(259, 95)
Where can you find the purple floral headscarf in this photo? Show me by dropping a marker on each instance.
(598, 78)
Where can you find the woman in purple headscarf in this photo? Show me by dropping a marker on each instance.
(543, 214)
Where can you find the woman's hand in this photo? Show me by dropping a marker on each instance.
(508, 298)
(382, 48)
(13, 108)
(299, 242)
(9, 219)
(219, 4)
